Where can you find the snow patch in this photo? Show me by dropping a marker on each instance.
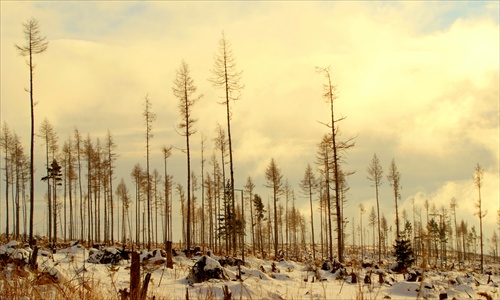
(211, 264)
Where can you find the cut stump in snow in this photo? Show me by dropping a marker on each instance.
(135, 276)
(227, 293)
(33, 258)
(354, 278)
(144, 289)
(170, 262)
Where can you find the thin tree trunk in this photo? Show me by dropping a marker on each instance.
(32, 151)
(312, 224)
(378, 224)
(188, 229)
(7, 183)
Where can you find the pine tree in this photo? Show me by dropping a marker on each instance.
(259, 218)
(404, 254)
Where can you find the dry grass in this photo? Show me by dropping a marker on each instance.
(18, 282)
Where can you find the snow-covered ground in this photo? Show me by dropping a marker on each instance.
(73, 276)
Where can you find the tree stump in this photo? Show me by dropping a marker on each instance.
(170, 262)
(227, 293)
(368, 279)
(354, 278)
(135, 276)
(33, 258)
(144, 289)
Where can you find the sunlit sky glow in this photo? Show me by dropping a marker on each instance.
(417, 81)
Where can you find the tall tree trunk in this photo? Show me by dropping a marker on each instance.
(7, 183)
(188, 229)
(202, 193)
(378, 225)
(312, 225)
(32, 153)
(54, 209)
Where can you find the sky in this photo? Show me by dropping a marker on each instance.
(417, 82)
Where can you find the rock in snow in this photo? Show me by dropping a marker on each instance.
(204, 269)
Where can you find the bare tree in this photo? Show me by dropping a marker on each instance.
(453, 207)
(182, 195)
(110, 158)
(226, 77)
(372, 218)
(324, 161)
(136, 175)
(17, 165)
(385, 232)
(375, 175)
(50, 139)
(149, 118)
(498, 223)
(203, 139)
(124, 197)
(78, 149)
(35, 44)
(309, 185)
(156, 179)
(478, 182)
(330, 95)
(192, 208)
(184, 89)
(462, 229)
(361, 212)
(97, 184)
(216, 188)
(249, 186)
(6, 144)
(221, 143)
(394, 178)
(89, 154)
(275, 181)
(70, 177)
(288, 191)
(167, 152)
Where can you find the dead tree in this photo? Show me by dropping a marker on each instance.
(35, 44)
(184, 89)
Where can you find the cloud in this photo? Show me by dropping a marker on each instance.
(466, 194)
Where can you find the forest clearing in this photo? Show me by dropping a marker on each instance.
(250, 150)
(74, 272)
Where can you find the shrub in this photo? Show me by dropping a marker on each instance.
(404, 254)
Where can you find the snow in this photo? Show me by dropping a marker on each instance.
(211, 264)
(290, 280)
(12, 244)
